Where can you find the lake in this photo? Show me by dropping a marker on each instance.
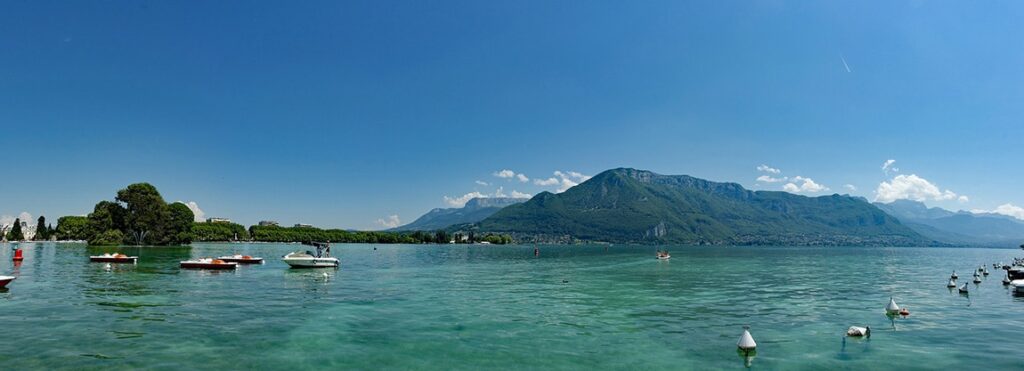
(486, 307)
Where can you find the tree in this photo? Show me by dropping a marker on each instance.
(145, 213)
(15, 233)
(41, 233)
(178, 225)
(109, 237)
(72, 228)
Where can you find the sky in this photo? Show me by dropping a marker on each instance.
(366, 115)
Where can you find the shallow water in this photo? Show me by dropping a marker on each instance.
(473, 307)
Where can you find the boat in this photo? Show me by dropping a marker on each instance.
(1016, 272)
(114, 258)
(321, 259)
(242, 259)
(664, 255)
(1018, 285)
(858, 331)
(4, 280)
(207, 263)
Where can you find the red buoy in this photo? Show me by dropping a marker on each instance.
(17, 255)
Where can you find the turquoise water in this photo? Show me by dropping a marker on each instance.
(485, 307)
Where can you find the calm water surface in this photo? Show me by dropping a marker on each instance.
(481, 307)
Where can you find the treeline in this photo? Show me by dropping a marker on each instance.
(138, 215)
(219, 232)
(43, 231)
(308, 234)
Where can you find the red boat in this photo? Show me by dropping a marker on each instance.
(114, 258)
(4, 280)
(242, 259)
(208, 264)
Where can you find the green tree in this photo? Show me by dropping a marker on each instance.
(72, 228)
(41, 233)
(109, 237)
(145, 213)
(177, 227)
(15, 233)
(104, 217)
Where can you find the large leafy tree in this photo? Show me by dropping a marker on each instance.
(146, 213)
(72, 228)
(177, 227)
(15, 234)
(139, 216)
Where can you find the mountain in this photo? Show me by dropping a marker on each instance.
(475, 210)
(629, 205)
(962, 228)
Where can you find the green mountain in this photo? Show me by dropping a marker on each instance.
(475, 210)
(629, 205)
(960, 228)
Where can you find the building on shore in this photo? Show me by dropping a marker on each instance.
(268, 223)
(303, 225)
(218, 220)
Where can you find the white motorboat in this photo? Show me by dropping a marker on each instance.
(321, 259)
(4, 280)
(1018, 285)
(664, 255)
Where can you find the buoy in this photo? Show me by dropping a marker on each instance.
(953, 276)
(859, 331)
(892, 308)
(746, 341)
(985, 272)
(951, 283)
(18, 255)
(904, 312)
(536, 251)
(977, 279)
(963, 289)
(1006, 280)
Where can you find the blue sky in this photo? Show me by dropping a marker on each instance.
(342, 113)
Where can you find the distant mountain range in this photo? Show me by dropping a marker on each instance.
(958, 228)
(475, 210)
(629, 205)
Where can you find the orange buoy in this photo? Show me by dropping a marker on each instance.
(17, 255)
(904, 312)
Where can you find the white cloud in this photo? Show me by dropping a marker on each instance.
(768, 169)
(27, 218)
(504, 173)
(546, 182)
(199, 214)
(460, 201)
(483, 183)
(6, 220)
(963, 199)
(522, 178)
(850, 187)
(500, 192)
(806, 185)
(517, 194)
(887, 166)
(390, 221)
(769, 179)
(911, 187)
(1004, 209)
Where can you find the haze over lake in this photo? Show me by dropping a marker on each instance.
(473, 307)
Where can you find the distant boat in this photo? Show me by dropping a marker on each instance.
(207, 263)
(321, 259)
(664, 255)
(4, 280)
(114, 258)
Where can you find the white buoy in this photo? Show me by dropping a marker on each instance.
(963, 288)
(746, 341)
(977, 279)
(858, 331)
(1006, 280)
(954, 276)
(892, 308)
(951, 283)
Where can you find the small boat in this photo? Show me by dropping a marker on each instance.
(321, 259)
(664, 255)
(951, 283)
(114, 258)
(892, 308)
(954, 276)
(207, 263)
(858, 331)
(242, 259)
(4, 280)
(963, 289)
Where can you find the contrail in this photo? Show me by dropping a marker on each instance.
(844, 63)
